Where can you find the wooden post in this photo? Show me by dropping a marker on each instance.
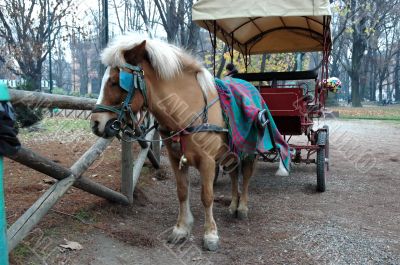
(21, 228)
(131, 171)
(152, 158)
(126, 171)
(140, 161)
(156, 146)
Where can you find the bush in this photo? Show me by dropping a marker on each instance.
(27, 116)
(59, 91)
(332, 100)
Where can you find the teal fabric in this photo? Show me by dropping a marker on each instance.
(241, 102)
(4, 95)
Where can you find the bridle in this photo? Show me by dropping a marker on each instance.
(129, 82)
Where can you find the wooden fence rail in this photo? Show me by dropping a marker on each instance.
(43, 165)
(74, 176)
(21, 228)
(46, 100)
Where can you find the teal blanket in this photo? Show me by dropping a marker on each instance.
(241, 103)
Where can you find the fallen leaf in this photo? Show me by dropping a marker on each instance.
(49, 181)
(71, 245)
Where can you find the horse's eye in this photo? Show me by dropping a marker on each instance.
(113, 82)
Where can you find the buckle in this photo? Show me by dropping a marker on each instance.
(116, 125)
(263, 118)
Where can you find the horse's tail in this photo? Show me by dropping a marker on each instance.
(206, 80)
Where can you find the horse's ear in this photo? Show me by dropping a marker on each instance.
(136, 54)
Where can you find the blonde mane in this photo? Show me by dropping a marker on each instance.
(167, 60)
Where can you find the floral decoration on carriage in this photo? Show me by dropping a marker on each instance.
(333, 84)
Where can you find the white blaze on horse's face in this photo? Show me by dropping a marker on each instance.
(103, 84)
(98, 120)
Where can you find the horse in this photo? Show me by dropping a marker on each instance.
(180, 93)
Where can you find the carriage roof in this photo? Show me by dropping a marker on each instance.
(267, 26)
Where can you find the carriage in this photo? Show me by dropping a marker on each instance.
(294, 98)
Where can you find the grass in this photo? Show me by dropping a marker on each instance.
(54, 125)
(390, 113)
(20, 253)
(65, 124)
(85, 216)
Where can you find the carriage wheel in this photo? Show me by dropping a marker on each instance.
(321, 162)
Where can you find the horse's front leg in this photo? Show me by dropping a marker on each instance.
(183, 227)
(207, 172)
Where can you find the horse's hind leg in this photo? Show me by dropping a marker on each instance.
(235, 192)
(207, 172)
(248, 165)
(183, 227)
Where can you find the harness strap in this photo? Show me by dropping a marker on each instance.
(205, 127)
(104, 108)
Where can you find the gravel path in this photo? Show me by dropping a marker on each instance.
(356, 221)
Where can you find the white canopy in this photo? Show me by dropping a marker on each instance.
(267, 26)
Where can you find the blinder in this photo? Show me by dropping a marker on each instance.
(127, 80)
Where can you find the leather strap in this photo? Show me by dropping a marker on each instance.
(205, 127)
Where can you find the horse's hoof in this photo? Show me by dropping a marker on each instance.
(233, 209)
(232, 212)
(178, 236)
(242, 214)
(211, 242)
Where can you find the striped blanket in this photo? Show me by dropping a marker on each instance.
(241, 103)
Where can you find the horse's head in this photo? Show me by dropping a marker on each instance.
(122, 94)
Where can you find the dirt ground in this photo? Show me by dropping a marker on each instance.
(356, 221)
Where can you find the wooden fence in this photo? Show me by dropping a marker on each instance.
(73, 176)
(69, 113)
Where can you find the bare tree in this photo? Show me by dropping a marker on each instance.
(361, 19)
(26, 27)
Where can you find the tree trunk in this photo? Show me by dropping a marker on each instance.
(397, 78)
(380, 87)
(263, 62)
(355, 89)
(222, 62)
(33, 80)
(372, 83)
(193, 31)
(357, 53)
(83, 77)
